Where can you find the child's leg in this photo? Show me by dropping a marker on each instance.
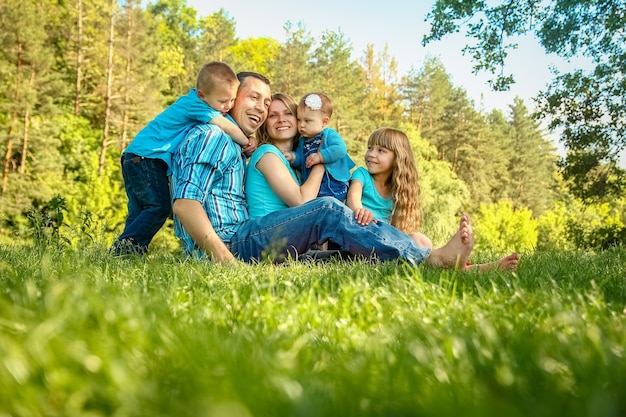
(508, 263)
(421, 240)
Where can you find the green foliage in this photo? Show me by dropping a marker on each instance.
(552, 228)
(46, 223)
(501, 229)
(85, 334)
(444, 195)
(65, 101)
(601, 228)
(586, 106)
(583, 226)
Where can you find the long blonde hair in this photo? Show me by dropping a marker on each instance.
(404, 179)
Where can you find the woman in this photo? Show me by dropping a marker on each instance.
(268, 165)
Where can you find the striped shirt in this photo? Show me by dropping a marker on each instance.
(209, 167)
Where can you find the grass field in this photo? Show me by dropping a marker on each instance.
(85, 334)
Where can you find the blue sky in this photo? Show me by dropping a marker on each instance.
(400, 24)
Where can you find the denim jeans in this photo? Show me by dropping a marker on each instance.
(330, 187)
(292, 231)
(149, 203)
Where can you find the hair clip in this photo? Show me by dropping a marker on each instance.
(313, 102)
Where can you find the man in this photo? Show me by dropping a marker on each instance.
(210, 211)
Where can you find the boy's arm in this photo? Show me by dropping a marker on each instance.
(231, 130)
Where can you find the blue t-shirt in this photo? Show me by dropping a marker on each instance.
(160, 138)
(380, 207)
(261, 198)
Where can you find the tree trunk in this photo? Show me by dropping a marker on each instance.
(79, 60)
(108, 99)
(25, 143)
(8, 155)
(129, 43)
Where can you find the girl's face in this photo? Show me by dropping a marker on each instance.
(281, 123)
(379, 160)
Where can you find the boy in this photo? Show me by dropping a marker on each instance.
(146, 161)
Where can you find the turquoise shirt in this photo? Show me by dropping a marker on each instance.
(380, 207)
(209, 167)
(160, 138)
(261, 198)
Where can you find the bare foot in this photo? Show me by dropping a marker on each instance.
(456, 252)
(508, 263)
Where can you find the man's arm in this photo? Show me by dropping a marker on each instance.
(195, 221)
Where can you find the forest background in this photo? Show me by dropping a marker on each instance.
(80, 78)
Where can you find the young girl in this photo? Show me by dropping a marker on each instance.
(320, 144)
(388, 190)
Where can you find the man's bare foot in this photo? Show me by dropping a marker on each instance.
(508, 263)
(456, 252)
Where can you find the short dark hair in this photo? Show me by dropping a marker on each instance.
(241, 76)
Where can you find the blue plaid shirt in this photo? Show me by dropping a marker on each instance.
(209, 167)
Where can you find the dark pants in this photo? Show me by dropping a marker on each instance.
(149, 202)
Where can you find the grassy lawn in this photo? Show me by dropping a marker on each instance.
(85, 334)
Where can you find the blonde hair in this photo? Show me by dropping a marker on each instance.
(291, 104)
(404, 179)
(327, 103)
(214, 73)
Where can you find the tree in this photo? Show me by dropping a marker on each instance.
(381, 83)
(26, 80)
(217, 37)
(255, 54)
(588, 107)
(533, 162)
(291, 65)
(426, 92)
(338, 75)
(177, 33)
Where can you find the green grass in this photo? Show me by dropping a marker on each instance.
(85, 334)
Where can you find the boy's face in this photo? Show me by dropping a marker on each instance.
(311, 122)
(221, 98)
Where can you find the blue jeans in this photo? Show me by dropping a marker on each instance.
(330, 187)
(149, 203)
(292, 231)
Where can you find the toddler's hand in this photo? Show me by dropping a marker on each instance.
(289, 156)
(363, 216)
(314, 159)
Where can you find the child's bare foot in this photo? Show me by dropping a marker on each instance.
(456, 252)
(508, 263)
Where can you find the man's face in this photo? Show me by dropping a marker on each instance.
(250, 108)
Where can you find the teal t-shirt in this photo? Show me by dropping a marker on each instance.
(160, 137)
(380, 207)
(260, 197)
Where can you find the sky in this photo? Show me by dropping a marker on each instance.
(400, 25)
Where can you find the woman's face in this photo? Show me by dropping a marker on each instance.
(281, 122)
